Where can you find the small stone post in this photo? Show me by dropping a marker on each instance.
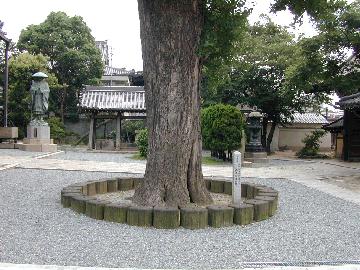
(236, 184)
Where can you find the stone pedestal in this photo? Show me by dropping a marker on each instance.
(38, 140)
(8, 132)
(256, 157)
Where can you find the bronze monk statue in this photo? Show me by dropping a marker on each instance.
(39, 98)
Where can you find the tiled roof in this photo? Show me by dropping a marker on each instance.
(108, 71)
(309, 118)
(337, 125)
(350, 102)
(121, 98)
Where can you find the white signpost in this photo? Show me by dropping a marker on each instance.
(236, 184)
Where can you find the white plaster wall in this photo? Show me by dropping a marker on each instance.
(292, 138)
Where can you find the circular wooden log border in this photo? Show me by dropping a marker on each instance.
(261, 202)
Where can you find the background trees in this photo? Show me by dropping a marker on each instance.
(72, 54)
(224, 28)
(281, 75)
(331, 58)
(262, 75)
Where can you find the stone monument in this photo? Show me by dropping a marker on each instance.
(254, 151)
(236, 184)
(38, 130)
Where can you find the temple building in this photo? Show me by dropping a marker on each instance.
(346, 130)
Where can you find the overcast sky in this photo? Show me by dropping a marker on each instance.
(113, 20)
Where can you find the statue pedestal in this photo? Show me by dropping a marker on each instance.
(8, 137)
(256, 158)
(38, 140)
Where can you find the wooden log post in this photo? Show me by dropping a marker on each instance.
(194, 217)
(166, 217)
(140, 216)
(261, 209)
(243, 213)
(220, 216)
(116, 212)
(112, 185)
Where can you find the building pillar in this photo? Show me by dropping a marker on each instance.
(118, 131)
(92, 132)
(346, 135)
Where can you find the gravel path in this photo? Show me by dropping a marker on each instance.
(88, 156)
(18, 153)
(123, 158)
(34, 228)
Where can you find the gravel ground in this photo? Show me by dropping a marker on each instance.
(34, 228)
(122, 158)
(18, 153)
(286, 162)
(88, 156)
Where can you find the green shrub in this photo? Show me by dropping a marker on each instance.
(312, 144)
(57, 129)
(142, 142)
(129, 128)
(221, 127)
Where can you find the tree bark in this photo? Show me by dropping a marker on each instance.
(270, 136)
(170, 35)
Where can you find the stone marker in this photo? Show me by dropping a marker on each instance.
(236, 185)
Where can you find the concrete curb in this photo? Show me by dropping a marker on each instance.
(10, 266)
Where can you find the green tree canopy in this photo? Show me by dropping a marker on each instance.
(71, 50)
(262, 76)
(331, 59)
(224, 28)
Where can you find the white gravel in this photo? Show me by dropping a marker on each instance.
(19, 153)
(89, 156)
(84, 155)
(35, 229)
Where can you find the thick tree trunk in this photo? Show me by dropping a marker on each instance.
(170, 34)
(270, 136)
